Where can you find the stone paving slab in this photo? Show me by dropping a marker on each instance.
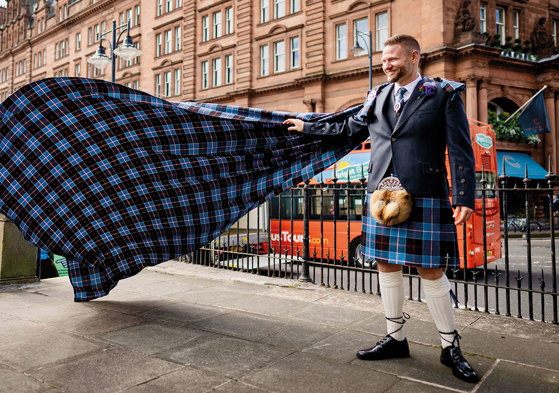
(43, 349)
(14, 381)
(514, 377)
(329, 315)
(242, 325)
(184, 380)
(151, 337)
(304, 372)
(228, 356)
(109, 370)
(298, 335)
(184, 312)
(527, 351)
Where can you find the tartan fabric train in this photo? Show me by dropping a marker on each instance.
(117, 180)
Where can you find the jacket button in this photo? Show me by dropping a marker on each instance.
(462, 180)
(461, 193)
(334, 130)
(393, 139)
(460, 168)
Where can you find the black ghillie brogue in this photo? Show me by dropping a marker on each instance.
(452, 357)
(388, 347)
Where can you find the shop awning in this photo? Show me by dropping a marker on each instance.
(515, 163)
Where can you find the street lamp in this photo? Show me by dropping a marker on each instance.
(127, 50)
(358, 49)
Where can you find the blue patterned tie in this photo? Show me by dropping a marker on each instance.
(400, 100)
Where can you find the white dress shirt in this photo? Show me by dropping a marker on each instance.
(409, 88)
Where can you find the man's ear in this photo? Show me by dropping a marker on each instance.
(414, 56)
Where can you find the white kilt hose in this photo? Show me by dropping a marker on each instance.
(426, 239)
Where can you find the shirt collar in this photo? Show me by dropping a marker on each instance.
(410, 86)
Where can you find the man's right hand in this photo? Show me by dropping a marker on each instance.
(296, 124)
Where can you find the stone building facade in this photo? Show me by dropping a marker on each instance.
(292, 55)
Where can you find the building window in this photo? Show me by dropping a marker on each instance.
(89, 36)
(229, 20)
(158, 45)
(129, 17)
(500, 23)
(279, 8)
(360, 31)
(554, 31)
(217, 71)
(159, 7)
(121, 18)
(137, 15)
(264, 60)
(204, 75)
(78, 41)
(167, 84)
(381, 30)
(516, 24)
(341, 41)
(77, 70)
(158, 85)
(168, 5)
(168, 41)
(178, 82)
(136, 85)
(229, 69)
(264, 11)
(294, 41)
(279, 56)
(295, 6)
(178, 4)
(178, 38)
(217, 24)
(483, 18)
(205, 28)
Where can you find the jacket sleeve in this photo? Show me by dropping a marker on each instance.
(350, 127)
(460, 153)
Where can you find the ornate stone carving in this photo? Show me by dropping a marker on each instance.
(464, 20)
(542, 41)
(465, 27)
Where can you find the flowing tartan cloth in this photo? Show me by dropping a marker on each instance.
(116, 180)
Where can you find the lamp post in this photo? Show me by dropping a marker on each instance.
(127, 50)
(358, 49)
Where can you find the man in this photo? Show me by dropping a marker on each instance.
(411, 120)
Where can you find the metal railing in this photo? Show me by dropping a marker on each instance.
(521, 284)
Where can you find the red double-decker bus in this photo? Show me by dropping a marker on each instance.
(336, 209)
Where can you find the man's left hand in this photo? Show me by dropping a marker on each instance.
(463, 213)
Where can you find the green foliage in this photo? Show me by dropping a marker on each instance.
(510, 131)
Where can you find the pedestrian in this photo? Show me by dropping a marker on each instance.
(410, 121)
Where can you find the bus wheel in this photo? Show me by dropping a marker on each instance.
(357, 258)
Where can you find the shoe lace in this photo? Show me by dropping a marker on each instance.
(399, 320)
(455, 340)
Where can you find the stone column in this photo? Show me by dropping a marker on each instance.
(550, 140)
(471, 98)
(482, 101)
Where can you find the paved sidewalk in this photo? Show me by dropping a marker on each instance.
(188, 328)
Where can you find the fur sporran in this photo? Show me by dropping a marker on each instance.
(390, 204)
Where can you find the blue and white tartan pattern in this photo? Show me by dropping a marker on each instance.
(116, 180)
(426, 239)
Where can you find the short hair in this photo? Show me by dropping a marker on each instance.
(405, 40)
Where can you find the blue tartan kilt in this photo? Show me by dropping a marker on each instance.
(426, 239)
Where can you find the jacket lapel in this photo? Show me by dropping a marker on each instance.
(383, 95)
(411, 106)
